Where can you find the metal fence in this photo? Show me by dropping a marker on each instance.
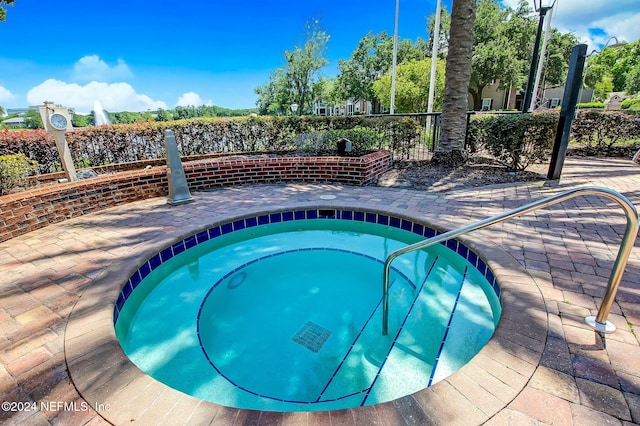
(426, 141)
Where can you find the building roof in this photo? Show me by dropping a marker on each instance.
(15, 120)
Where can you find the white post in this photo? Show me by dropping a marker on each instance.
(534, 98)
(434, 55)
(395, 59)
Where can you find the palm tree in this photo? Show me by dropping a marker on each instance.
(451, 150)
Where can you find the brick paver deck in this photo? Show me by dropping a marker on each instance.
(574, 376)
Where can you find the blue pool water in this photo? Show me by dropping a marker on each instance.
(286, 316)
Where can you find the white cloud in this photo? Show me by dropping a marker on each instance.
(112, 96)
(5, 95)
(623, 26)
(92, 68)
(595, 21)
(192, 99)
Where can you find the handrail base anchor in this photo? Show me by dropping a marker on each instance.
(607, 328)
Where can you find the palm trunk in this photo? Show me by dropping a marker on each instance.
(451, 150)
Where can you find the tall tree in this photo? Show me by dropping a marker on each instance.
(303, 64)
(556, 62)
(33, 120)
(295, 81)
(3, 11)
(620, 64)
(274, 97)
(324, 91)
(370, 60)
(366, 64)
(412, 86)
(451, 149)
(445, 28)
(501, 38)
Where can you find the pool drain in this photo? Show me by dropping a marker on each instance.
(312, 336)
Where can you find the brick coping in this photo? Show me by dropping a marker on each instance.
(103, 374)
(27, 211)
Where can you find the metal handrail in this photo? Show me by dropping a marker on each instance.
(599, 322)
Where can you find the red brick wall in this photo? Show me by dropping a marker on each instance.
(26, 211)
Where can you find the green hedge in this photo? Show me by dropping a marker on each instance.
(590, 105)
(518, 140)
(631, 104)
(600, 131)
(363, 140)
(121, 143)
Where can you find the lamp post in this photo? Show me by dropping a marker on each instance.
(434, 58)
(542, 7)
(294, 108)
(392, 107)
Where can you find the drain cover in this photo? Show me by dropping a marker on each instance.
(312, 336)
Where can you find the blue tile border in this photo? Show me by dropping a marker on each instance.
(301, 214)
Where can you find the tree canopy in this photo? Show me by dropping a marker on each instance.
(294, 83)
(616, 67)
(412, 86)
(370, 60)
(445, 28)
(503, 42)
(3, 10)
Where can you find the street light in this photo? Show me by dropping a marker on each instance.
(294, 108)
(542, 7)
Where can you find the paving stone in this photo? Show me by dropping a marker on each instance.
(594, 370)
(633, 400)
(568, 246)
(512, 417)
(624, 357)
(629, 382)
(555, 383)
(542, 406)
(603, 398)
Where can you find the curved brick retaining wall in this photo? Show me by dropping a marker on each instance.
(26, 211)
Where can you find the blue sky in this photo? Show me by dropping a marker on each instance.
(136, 55)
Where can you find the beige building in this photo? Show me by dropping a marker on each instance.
(494, 98)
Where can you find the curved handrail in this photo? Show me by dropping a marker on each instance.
(599, 322)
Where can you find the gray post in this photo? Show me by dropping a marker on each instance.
(178, 188)
(569, 100)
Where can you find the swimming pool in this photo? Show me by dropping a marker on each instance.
(310, 281)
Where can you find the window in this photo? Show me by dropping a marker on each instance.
(554, 102)
(486, 104)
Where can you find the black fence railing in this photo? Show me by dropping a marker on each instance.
(428, 136)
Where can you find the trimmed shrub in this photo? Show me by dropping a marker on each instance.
(364, 140)
(599, 131)
(122, 143)
(517, 140)
(590, 105)
(631, 104)
(36, 144)
(14, 171)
